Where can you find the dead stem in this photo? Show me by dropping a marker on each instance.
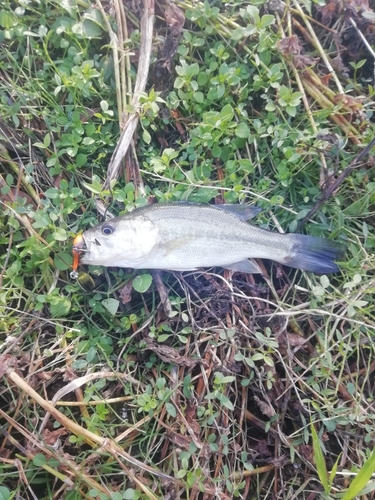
(122, 147)
(115, 50)
(325, 103)
(318, 46)
(90, 438)
(302, 90)
(77, 383)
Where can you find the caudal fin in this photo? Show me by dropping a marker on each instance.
(314, 254)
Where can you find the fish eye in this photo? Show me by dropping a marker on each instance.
(108, 229)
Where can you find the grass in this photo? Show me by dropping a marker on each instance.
(131, 385)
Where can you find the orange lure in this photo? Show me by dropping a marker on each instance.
(77, 251)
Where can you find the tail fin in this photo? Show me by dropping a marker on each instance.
(314, 254)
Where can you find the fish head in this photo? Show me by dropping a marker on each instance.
(119, 242)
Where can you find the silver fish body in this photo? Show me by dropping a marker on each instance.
(186, 236)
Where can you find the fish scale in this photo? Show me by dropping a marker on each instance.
(201, 236)
(186, 236)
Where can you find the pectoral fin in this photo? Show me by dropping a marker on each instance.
(175, 244)
(244, 266)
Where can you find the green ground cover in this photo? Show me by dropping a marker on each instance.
(134, 385)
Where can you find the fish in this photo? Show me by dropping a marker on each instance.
(185, 236)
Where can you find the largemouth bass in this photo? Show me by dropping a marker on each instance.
(186, 236)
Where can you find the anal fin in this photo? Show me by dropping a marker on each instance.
(244, 266)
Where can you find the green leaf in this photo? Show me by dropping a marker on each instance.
(95, 16)
(146, 136)
(226, 402)
(91, 29)
(52, 161)
(61, 308)
(216, 151)
(238, 33)
(227, 113)
(39, 460)
(242, 131)
(94, 188)
(291, 110)
(284, 91)
(361, 479)
(171, 409)
(54, 463)
(268, 361)
(74, 192)
(118, 496)
(7, 20)
(104, 105)
(91, 354)
(334, 471)
(267, 20)
(60, 234)
(320, 462)
(198, 96)
(128, 494)
(142, 283)
(87, 141)
(227, 379)
(179, 83)
(194, 69)
(111, 305)
(81, 160)
(5, 494)
(368, 488)
(324, 281)
(163, 337)
(47, 140)
(52, 193)
(169, 154)
(63, 261)
(220, 90)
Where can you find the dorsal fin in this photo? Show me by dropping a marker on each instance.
(243, 212)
